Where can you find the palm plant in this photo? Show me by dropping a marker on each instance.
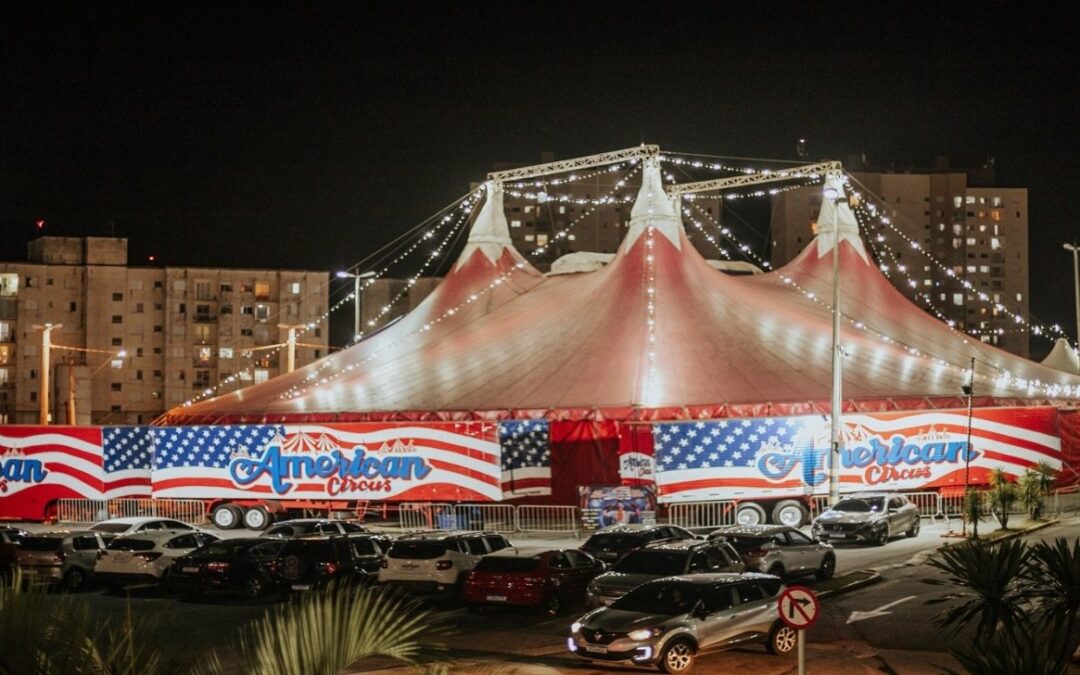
(324, 633)
(989, 582)
(1002, 494)
(1021, 653)
(1053, 576)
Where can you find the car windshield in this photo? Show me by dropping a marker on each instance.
(115, 528)
(744, 544)
(41, 543)
(658, 563)
(126, 544)
(506, 564)
(667, 598)
(618, 542)
(860, 505)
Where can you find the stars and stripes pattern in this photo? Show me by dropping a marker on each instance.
(211, 446)
(128, 460)
(526, 457)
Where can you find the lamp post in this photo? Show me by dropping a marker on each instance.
(46, 345)
(290, 342)
(835, 437)
(969, 391)
(1076, 283)
(357, 295)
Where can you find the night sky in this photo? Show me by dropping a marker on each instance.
(308, 134)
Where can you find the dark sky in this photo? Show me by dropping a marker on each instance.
(308, 134)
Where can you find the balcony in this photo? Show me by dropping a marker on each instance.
(201, 317)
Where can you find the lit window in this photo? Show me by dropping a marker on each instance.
(970, 199)
(541, 240)
(529, 209)
(971, 269)
(562, 209)
(971, 241)
(261, 375)
(927, 282)
(571, 237)
(1019, 297)
(529, 237)
(984, 269)
(958, 299)
(226, 352)
(995, 243)
(294, 288)
(515, 223)
(958, 201)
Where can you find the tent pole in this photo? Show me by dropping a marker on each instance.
(836, 440)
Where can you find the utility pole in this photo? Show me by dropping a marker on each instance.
(290, 345)
(969, 390)
(834, 193)
(71, 392)
(1076, 283)
(43, 394)
(357, 299)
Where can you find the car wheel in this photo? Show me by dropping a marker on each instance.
(828, 566)
(257, 518)
(782, 639)
(882, 536)
(553, 604)
(226, 516)
(749, 513)
(677, 657)
(914, 531)
(790, 512)
(253, 587)
(777, 570)
(74, 579)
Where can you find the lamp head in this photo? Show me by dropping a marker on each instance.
(342, 274)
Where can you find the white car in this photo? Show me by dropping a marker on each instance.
(145, 558)
(123, 526)
(437, 562)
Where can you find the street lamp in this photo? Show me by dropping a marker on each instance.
(969, 391)
(1076, 283)
(834, 194)
(357, 301)
(46, 345)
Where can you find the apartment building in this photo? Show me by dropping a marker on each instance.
(979, 232)
(135, 341)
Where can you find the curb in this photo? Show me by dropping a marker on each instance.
(854, 585)
(1007, 537)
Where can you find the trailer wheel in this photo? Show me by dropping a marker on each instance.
(790, 512)
(749, 513)
(226, 516)
(257, 518)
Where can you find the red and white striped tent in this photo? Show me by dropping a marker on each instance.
(656, 334)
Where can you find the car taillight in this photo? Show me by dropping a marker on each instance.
(217, 567)
(328, 567)
(59, 557)
(444, 564)
(148, 557)
(274, 565)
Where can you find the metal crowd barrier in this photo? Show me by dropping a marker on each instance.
(192, 511)
(702, 514)
(1067, 499)
(548, 519)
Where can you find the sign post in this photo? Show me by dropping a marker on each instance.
(799, 609)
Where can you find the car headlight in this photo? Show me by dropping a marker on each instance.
(640, 634)
(575, 627)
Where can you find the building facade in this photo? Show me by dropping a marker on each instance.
(978, 232)
(135, 341)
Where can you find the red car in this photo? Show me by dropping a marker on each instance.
(535, 577)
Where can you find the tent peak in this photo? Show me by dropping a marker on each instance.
(836, 221)
(490, 233)
(654, 208)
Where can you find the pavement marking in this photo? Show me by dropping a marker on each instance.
(880, 611)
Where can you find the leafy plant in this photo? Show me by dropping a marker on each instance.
(991, 589)
(973, 510)
(1020, 653)
(324, 633)
(1053, 576)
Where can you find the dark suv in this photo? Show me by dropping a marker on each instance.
(662, 559)
(612, 543)
(306, 563)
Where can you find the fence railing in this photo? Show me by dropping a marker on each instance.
(505, 518)
(548, 519)
(1067, 499)
(702, 514)
(192, 511)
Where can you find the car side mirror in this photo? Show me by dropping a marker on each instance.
(600, 565)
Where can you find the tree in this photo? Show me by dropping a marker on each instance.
(1003, 494)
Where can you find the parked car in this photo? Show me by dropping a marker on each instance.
(122, 526)
(780, 550)
(437, 562)
(302, 527)
(662, 559)
(612, 543)
(228, 565)
(669, 622)
(60, 557)
(537, 577)
(872, 517)
(9, 546)
(308, 563)
(146, 557)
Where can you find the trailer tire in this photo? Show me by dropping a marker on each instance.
(226, 516)
(790, 512)
(749, 513)
(257, 518)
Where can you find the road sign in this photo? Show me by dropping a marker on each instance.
(798, 607)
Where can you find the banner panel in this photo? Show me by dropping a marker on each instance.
(449, 461)
(788, 456)
(40, 464)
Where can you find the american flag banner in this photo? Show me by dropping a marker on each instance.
(128, 461)
(456, 461)
(788, 456)
(526, 457)
(40, 464)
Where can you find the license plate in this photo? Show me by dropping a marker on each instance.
(596, 649)
(410, 566)
(838, 535)
(301, 587)
(496, 598)
(190, 570)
